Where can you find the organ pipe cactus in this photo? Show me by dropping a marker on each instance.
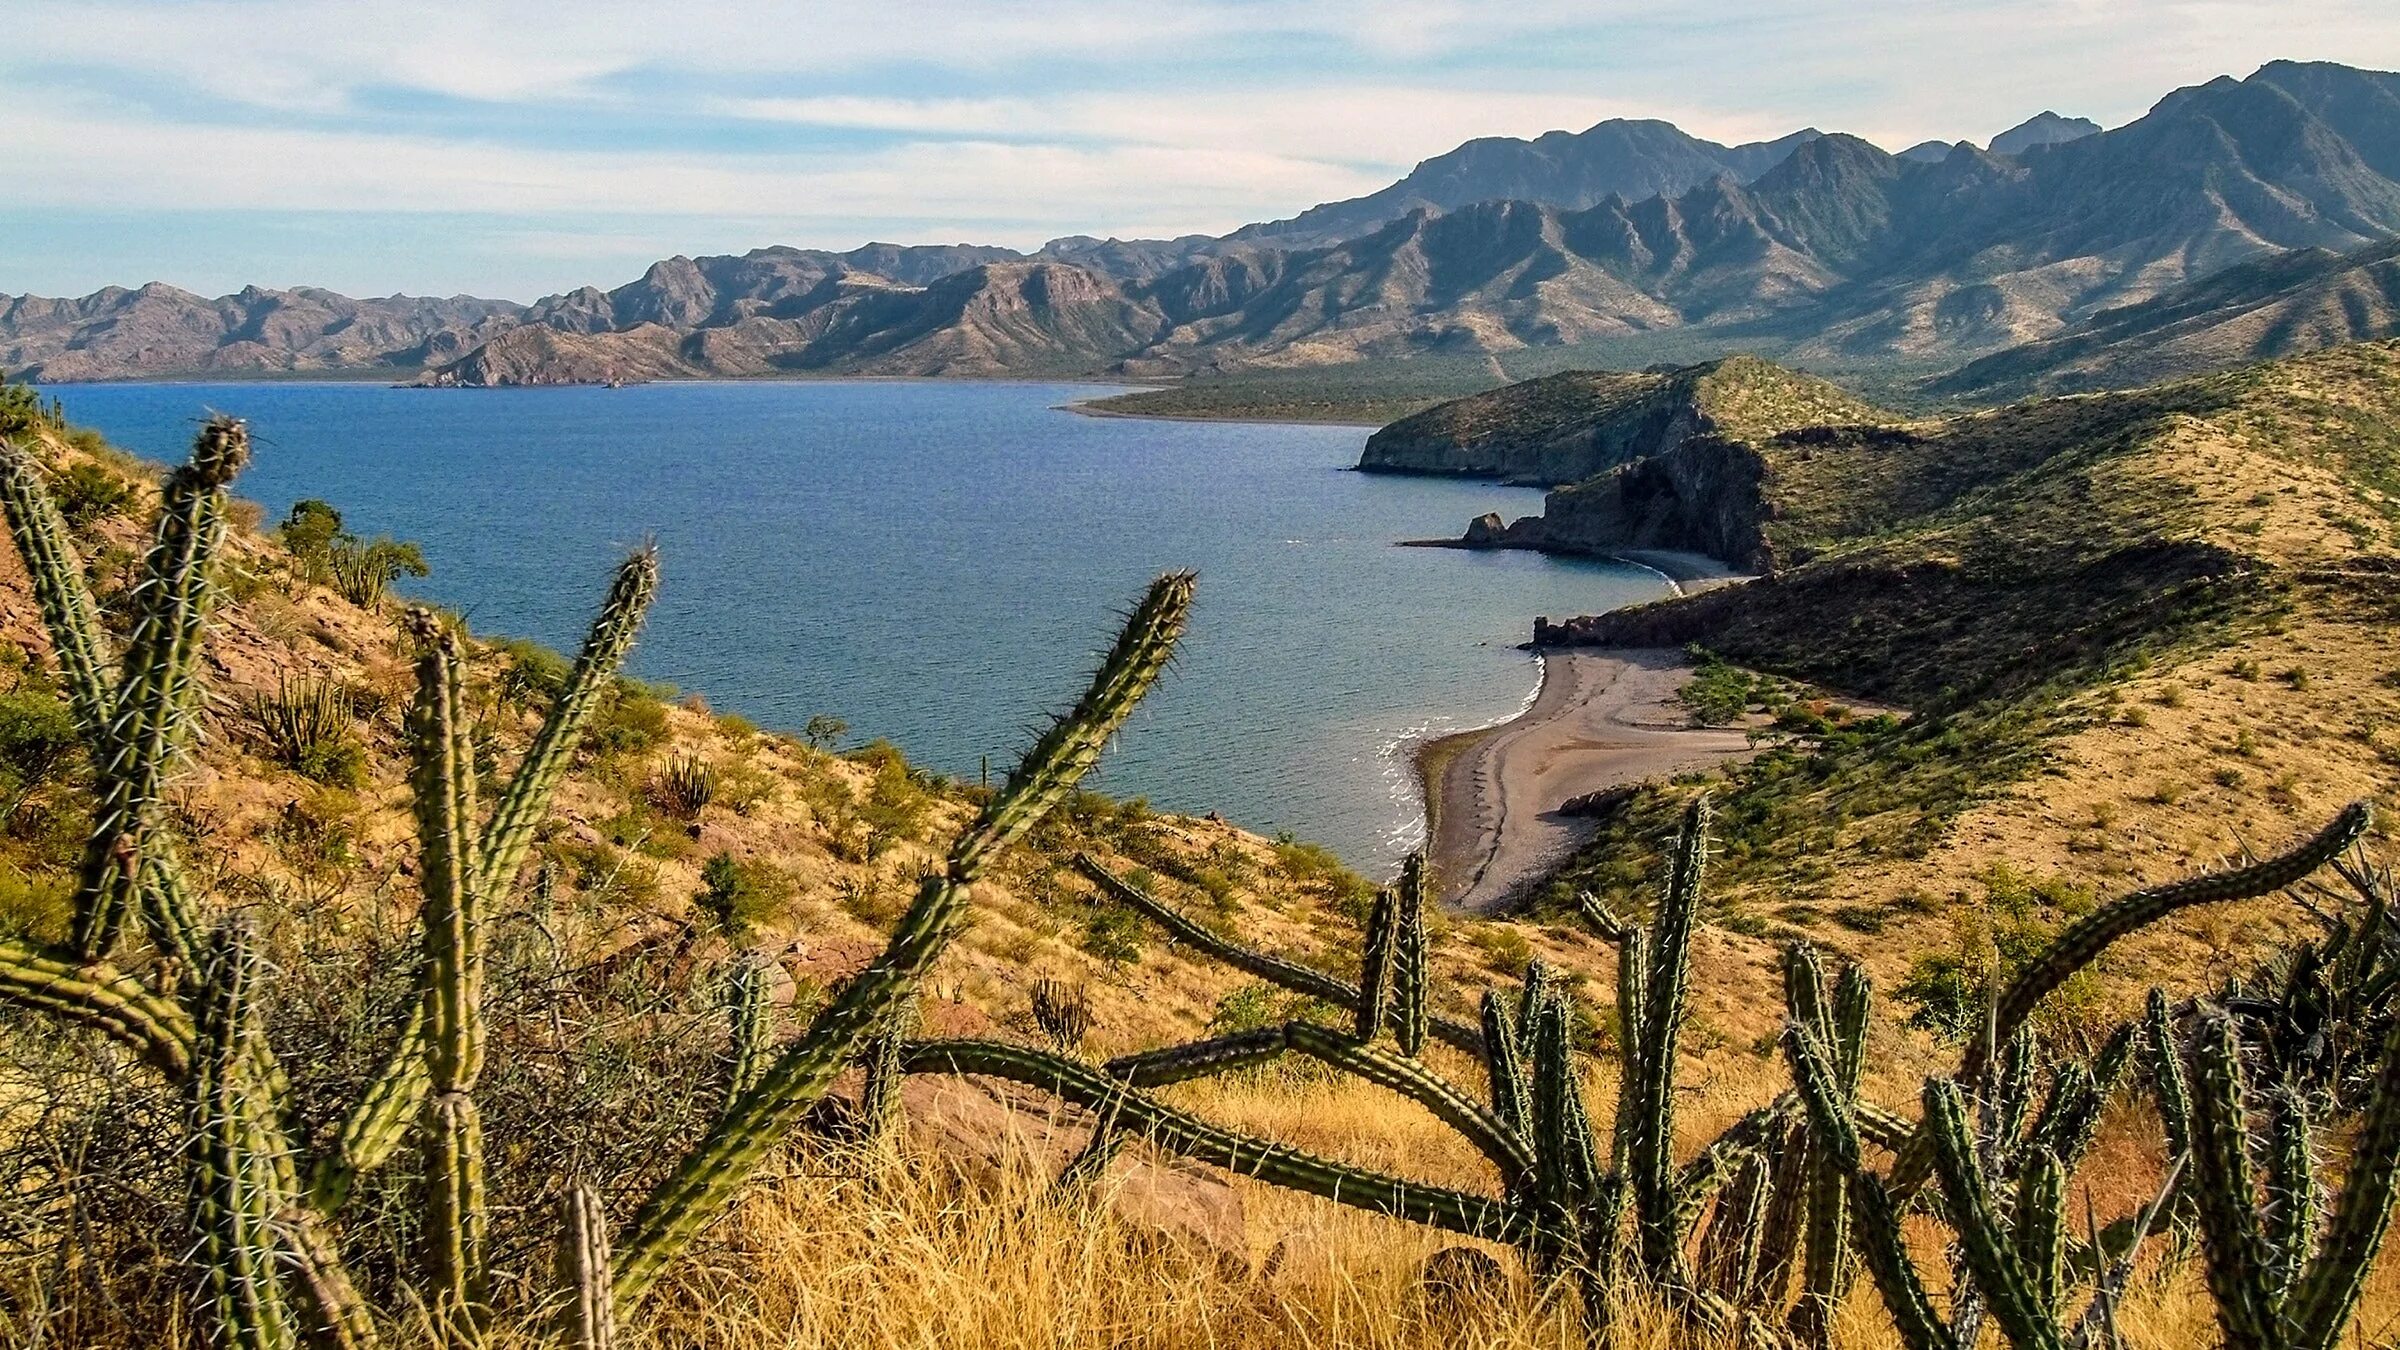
(2284, 1273)
(1560, 1199)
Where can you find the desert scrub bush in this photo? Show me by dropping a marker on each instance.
(824, 732)
(1316, 866)
(305, 725)
(363, 570)
(2011, 928)
(88, 493)
(1110, 933)
(630, 720)
(739, 893)
(534, 674)
(1719, 693)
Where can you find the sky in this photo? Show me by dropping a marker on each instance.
(514, 149)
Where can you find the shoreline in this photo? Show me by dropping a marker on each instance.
(1603, 718)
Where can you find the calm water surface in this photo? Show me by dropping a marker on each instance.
(940, 563)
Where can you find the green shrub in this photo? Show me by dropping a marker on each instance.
(37, 739)
(1112, 934)
(536, 674)
(87, 492)
(738, 893)
(630, 721)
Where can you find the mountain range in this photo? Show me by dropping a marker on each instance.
(1831, 250)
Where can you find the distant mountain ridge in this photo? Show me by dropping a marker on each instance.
(1837, 251)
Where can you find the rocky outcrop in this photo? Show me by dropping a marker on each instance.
(534, 355)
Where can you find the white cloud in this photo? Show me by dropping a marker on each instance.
(101, 161)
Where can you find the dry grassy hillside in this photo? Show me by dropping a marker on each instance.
(647, 887)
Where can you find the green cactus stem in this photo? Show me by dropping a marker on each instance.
(233, 1202)
(1178, 1132)
(1411, 973)
(1291, 975)
(704, 1184)
(1375, 967)
(2088, 937)
(583, 1270)
(101, 997)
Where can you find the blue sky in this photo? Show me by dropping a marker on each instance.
(515, 149)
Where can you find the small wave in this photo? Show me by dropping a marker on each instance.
(1398, 759)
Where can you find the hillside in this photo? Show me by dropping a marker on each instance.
(1568, 427)
(2126, 626)
(2277, 306)
(1822, 248)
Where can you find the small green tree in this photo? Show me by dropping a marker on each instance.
(824, 731)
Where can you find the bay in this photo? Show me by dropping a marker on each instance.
(940, 562)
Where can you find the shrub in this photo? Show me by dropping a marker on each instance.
(824, 732)
(87, 492)
(306, 727)
(1112, 934)
(37, 737)
(684, 788)
(738, 893)
(536, 674)
(631, 721)
(364, 571)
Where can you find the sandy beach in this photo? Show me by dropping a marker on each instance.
(1603, 718)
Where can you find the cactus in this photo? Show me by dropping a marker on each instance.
(1654, 975)
(1375, 963)
(879, 1093)
(1409, 972)
(1291, 975)
(705, 1182)
(234, 1194)
(583, 1270)
(685, 787)
(2289, 1277)
(753, 1027)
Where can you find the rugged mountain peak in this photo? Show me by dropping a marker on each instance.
(2043, 128)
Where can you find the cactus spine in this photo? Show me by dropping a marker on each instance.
(1656, 983)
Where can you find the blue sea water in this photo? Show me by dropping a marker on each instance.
(940, 563)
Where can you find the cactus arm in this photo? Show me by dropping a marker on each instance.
(1885, 1250)
(442, 783)
(2328, 1295)
(381, 1119)
(525, 802)
(1375, 967)
(2226, 1188)
(1200, 1059)
(1652, 1144)
(2089, 936)
(583, 1268)
(101, 997)
(2289, 1223)
(1448, 1104)
(2166, 1066)
(232, 1181)
(753, 1027)
(2040, 1235)
(1460, 1212)
(1512, 1096)
(152, 710)
(704, 1183)
(1421, 1085)
(1601, 919)
(879, 1094)
(64, 598)
(2008, 1289)
(1274, 970)
(2084, 940)
(343, 1321)
(1412, 989)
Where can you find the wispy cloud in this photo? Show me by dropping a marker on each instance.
(822, 123)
